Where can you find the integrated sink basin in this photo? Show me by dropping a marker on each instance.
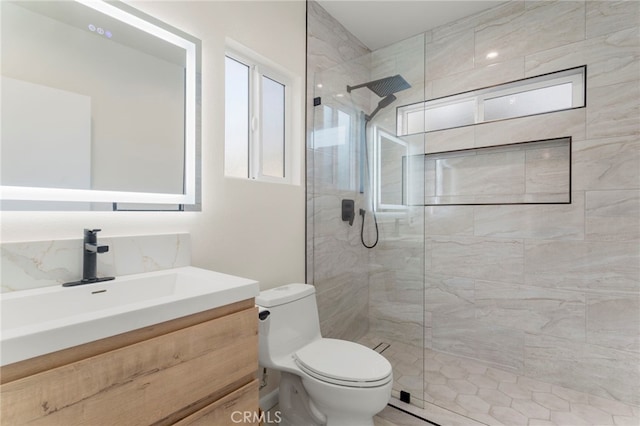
(48, 319)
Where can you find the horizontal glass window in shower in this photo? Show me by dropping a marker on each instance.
(556, 91)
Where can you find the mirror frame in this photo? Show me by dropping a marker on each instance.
(146, 23)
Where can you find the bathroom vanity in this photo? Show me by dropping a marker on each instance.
(197, 368)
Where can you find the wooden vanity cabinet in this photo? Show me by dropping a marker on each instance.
(195, 370)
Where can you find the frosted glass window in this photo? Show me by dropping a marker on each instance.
(415, 122)
(236, 132)
(531, 102)
(450, 115)
(273, 127)
(556, 91)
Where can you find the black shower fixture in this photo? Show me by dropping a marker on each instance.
(384, 86)
(384, 102)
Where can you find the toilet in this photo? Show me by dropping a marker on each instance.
(323, 381)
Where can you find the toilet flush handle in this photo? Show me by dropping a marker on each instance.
(263, 313)
(263, 320)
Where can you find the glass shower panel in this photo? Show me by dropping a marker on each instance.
(339, 270)
(374, 296)
(335, 141)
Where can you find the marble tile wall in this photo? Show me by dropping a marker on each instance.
(397, 283)
(396, 310)
(547, 291)
(33, 264)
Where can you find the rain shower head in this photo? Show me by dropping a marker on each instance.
(384, 102)
(385, 86)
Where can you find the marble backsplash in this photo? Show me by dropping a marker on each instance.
(33, 264)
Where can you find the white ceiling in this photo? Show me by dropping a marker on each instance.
(379, 23)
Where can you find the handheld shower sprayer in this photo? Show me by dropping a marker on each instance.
(384, 102)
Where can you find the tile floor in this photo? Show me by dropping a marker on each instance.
(393, 417)
(459, 391)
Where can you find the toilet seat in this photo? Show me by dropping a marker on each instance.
(343, 363)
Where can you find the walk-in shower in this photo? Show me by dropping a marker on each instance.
(498, 310)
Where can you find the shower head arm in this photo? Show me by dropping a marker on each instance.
(384, 86)
(357, 86)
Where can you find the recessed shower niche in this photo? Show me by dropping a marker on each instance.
(537, 172)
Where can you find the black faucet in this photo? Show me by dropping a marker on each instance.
(90, 259)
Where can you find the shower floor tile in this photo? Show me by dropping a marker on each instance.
(463, 391)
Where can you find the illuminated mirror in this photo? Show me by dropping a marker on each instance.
(391, 171)
(99, 105)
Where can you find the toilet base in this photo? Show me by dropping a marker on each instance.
(348, 406)
(296, 408)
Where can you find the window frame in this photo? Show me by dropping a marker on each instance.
(258, 68)
(536, 83)
(576, 76)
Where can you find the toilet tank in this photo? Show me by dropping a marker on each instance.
(292, 321)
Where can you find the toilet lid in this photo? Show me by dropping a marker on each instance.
(344, 363)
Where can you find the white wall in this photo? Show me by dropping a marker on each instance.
(245, 228)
